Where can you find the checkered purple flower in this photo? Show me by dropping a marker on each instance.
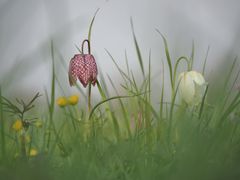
(83, 67)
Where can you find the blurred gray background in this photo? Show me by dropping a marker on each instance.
(27, 28)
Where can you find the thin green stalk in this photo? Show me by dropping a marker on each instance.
(23, 146)
(2, 126)
(171, 115)
(162, 93)
(51, 104)
(91, 25)
(89, 97)
(168, 60)
(205, 61)
(202, 103)
(137, 48)
(125, 115)
(109, 99)
(176, 67)
(192, 57)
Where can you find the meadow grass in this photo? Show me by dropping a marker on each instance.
(126, 136)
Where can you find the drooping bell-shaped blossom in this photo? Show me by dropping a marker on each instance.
(83, 67)
(192, 86)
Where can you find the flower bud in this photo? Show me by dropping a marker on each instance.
(192, 86)
(17, 125)
(62, 101)
(73, 100)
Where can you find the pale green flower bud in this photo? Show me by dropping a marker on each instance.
(192, 86)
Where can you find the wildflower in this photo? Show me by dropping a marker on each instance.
(83, 67)
(33, 152)
(73, 100)
(17, 125)
(27, 139)
(38, 124)
(62, 101)
(192, 86)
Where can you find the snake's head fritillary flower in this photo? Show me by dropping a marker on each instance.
(192, 86)
(83, 67)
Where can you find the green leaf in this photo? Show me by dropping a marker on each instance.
(137, 49)
(109, 99)
(91, 25)
(168, 58)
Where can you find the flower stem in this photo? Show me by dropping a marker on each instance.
(89, 97)
(89, 47)
(2, 123)
(23, 146)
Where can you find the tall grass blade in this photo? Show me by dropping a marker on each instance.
(202, 103)
(192, 57)
(124, 111)
(52, 102)
(109, 99)
(205, 61)
(2, 126)
(137, 48)
(168, 58)
(91, 25)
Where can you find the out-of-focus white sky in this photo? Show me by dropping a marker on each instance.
(28, 26)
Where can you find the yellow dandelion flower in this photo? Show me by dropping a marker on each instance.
(62, 101)
(33, 152)
(73, 100)
(17, 125)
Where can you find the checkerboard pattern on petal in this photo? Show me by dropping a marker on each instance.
(84, 68)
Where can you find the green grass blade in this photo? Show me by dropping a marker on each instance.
(91, 25)
(205, 61)
(124, 111)
(127, 65)
(177, 64)
(162, 94)
(149, 77)
(103, 95)
(137, 49)
(2, 126)
(52, 102)
(168, 58)
(202, 103)
(116, 126)
(192, 57)
(109, 99)
(78, 49)
(122, 73)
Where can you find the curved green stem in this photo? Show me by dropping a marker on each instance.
(89, 47)
(176, 66)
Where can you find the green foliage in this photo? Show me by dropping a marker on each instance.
(127, 136)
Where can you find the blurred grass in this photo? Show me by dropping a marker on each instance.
(126, 136)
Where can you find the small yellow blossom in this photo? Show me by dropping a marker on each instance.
(62, 101)
(38, 124)
(27, 139)
(73, 100)
(17, 125)
(33, 152)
